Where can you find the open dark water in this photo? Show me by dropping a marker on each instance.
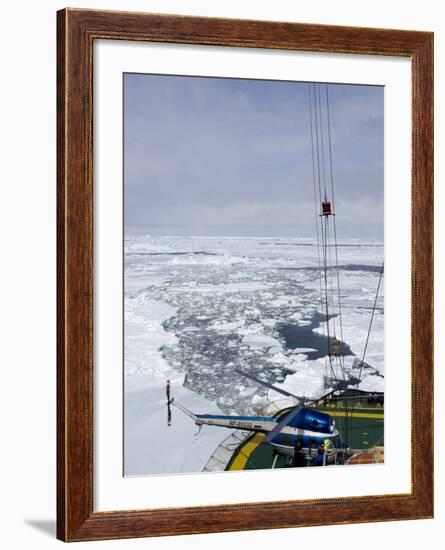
(296, 336)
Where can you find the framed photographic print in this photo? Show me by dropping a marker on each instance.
(245, 228)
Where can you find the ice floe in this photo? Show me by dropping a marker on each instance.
(197, 308)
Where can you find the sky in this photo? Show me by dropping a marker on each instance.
(233, 157)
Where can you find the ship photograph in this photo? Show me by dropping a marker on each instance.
(253, 274)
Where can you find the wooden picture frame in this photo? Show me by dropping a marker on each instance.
(77, 31)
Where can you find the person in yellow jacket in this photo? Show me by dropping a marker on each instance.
(328, 450)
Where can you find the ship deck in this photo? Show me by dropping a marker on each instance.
(364, 427)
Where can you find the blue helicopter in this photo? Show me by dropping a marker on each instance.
(299, 424)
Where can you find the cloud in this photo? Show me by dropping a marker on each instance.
(237, 153)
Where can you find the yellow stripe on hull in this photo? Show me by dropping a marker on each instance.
(356, 414)
(243, 455)
(358, 407)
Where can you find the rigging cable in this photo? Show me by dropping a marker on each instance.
(316, 202)
(331, 284)
(327, 238)
(317, 146)
(322, 141)
(369, 332)
(315, 196)
(323, 230)
(370, 323)
(333, 207)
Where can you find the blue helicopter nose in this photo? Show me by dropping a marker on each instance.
(310, 419)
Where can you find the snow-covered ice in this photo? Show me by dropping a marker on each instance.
(197, 308)
(152, 447)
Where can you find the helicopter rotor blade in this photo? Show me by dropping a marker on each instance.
(169, 400)
(169, 415)
(282, 424)
(270, 386)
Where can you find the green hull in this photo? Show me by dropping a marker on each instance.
(361, 430)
